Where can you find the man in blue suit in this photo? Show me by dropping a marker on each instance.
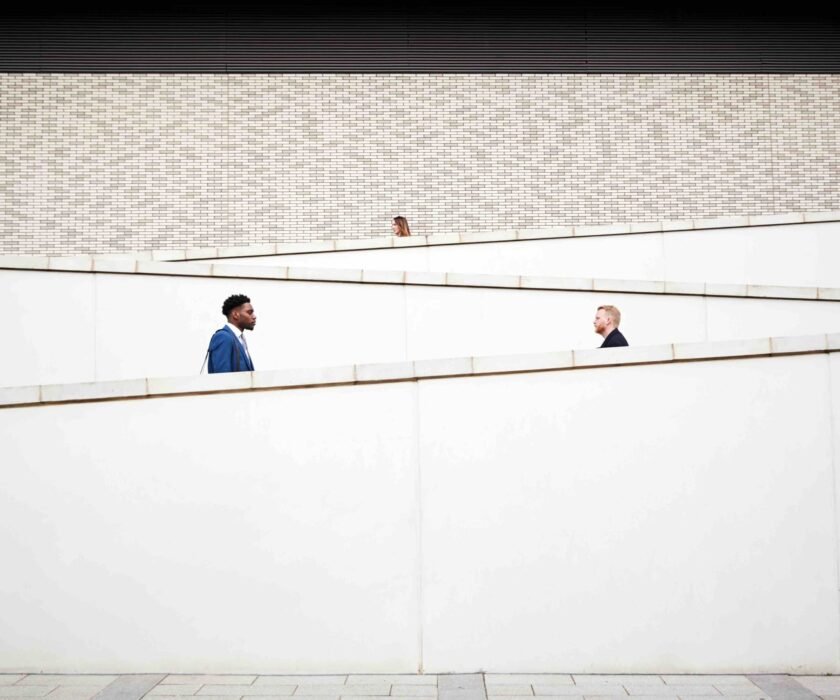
(228, 350)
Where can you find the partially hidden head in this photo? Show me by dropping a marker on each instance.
(607, 319)
(239, 312)
(400, 226)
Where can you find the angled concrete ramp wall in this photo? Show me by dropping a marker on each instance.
(795, 254)
(91, 326)
(676, 517)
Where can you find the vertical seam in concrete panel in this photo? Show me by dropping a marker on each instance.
(833, 450)
(406, 356)
(706, 317)
(418, 485)
(95, 285)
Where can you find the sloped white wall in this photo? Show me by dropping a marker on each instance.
(672, 518)
(74, 327)
(791, 254)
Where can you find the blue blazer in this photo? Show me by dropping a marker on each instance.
(227, 353)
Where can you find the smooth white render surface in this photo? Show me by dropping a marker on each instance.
(669, 518)
(834, 376)
(792, 254)
(640, 519)
(100, 326)
(222, 533)
(49, 332)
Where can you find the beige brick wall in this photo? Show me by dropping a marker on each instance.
(98, 163)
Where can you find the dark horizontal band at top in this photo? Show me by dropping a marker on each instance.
(499, 39)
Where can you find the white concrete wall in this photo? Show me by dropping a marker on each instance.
(674, 518)
(793, 255)
(73, 327)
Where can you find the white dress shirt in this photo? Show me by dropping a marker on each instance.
(238, 335)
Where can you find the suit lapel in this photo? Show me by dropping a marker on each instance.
(242, 354)
(238, 345)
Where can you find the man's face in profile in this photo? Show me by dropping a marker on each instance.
(601, 321)
(243, 317)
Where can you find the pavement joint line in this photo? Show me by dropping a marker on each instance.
(130, 686)
(782, 687)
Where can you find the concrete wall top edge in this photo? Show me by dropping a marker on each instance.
(83, 264)
(523, 234)
(27, 396)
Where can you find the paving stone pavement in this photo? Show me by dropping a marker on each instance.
(466, 686)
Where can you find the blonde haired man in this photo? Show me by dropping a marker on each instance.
(606, 323)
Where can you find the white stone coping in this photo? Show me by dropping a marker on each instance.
(523, 234)
(417, 370)
(126, 266)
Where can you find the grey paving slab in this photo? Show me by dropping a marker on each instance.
(229, 697)
(542, 697)
(288, 679)
(175, 689)
(742, 690)
(74, 692)
(704, 679)
(10, 678)
(461, 681)
(636, 679)
(781, 687)
(820, 685)
(25, 691)
(580, 689)
(130, 686)
(377, 689)
(315, 689)
(396, 678)
(373, 697)
(462, 693)
(65, 679)
(371, 683)
(208, 679)
(528, 678)
(414, 690)
(500, 690)
(461, 686)
(243, 690)
(689, 690)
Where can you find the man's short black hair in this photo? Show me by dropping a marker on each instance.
(232, 302)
